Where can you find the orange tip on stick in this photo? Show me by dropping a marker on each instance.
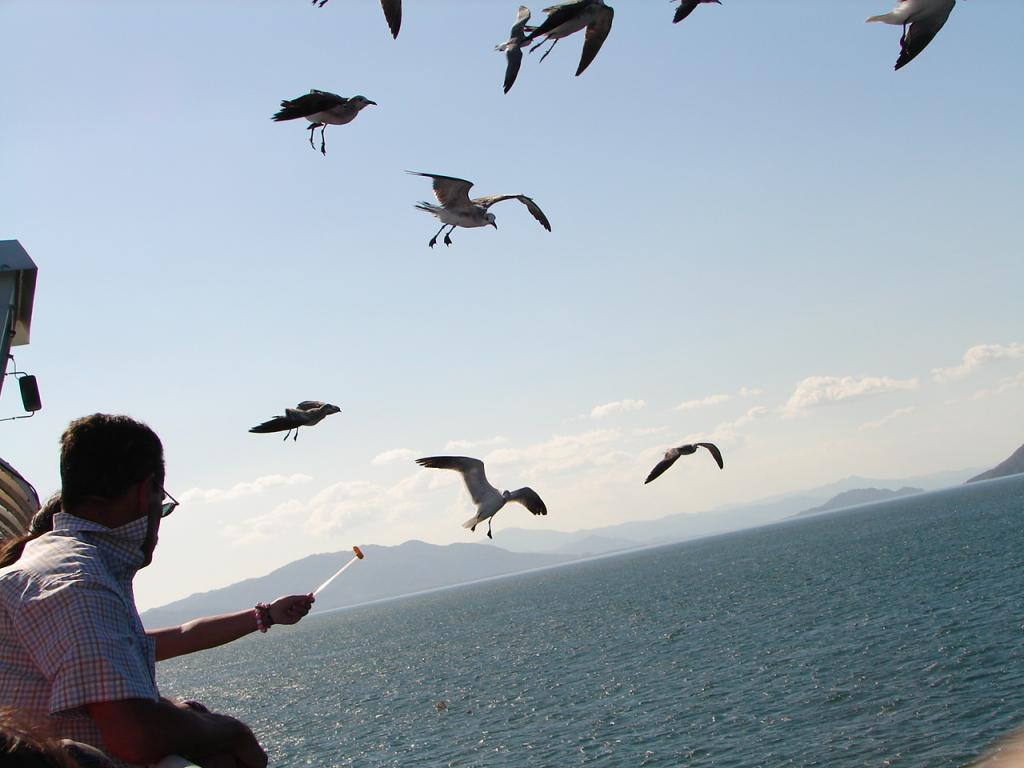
(359, 556)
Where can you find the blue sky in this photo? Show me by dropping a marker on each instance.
(753, 217)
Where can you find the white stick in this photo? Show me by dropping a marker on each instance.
(359, 556)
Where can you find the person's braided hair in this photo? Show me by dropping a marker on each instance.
(27, 746)
(42, 521)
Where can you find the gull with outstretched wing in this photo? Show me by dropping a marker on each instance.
(305, 414)
(457, 209)
(487, 498)
(513, 47)
(568, 18)
(686, 7)
(924, 17)
(322, 108)
(392, 13)
(683, 450)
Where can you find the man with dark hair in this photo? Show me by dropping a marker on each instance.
(73, 650)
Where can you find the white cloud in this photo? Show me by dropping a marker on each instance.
(619, 406)
(815, 391)
(712, 400)
(396, 454)
(238, 490)
(1011, 382)
(757, 412)
(873, 425)
(728, 432)
(706, 402)
(468, 445)
(977, 356)
(559, 453)
(355, 505)
(644, 431)
(266, 526)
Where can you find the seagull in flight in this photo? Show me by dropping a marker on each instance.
(570, 17)
(457, 209)
(486, 497)
(683, 450)
(392, 12)
(686, 8)
(322, 108)
(513, 47)
(924, 17)
(305, 414)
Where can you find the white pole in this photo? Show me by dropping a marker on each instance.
(359, 556)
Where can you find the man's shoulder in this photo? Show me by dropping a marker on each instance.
(55, 561)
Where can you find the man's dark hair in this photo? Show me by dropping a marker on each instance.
(103, 456)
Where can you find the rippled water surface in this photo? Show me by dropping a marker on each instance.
(886, 635)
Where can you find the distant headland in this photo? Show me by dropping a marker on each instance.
(1012, 466)
(858, 496)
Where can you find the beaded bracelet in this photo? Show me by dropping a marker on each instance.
(262, 624)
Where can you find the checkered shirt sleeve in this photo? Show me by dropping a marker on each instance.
(89, 643)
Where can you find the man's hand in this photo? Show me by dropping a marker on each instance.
(289, 610)
(241, 750)
(140, 731)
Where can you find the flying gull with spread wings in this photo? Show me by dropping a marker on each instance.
(686, 8)
(392, 12)
(683, 450)
(305, 414)
(457, 209)
(924, 17)
(569, 18)
(487, 498)
(513, 47)
(321, 109)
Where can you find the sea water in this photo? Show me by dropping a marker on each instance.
(890, 634)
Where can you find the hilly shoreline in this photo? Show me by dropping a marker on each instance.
(415, 566)
(1014, 465)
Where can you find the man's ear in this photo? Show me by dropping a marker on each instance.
(144, 491)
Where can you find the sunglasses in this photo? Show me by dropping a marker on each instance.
(169, 505)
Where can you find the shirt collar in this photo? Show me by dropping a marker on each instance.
(122, 545)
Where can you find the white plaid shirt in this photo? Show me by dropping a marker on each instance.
(70, 634)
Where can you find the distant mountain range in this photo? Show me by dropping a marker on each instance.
(415, 566)
(385, 572)
(1012, 466)
(859, 496)
(694, 525)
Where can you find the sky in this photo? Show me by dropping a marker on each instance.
(762, 236)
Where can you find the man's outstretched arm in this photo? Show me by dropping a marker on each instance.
(211, 631)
